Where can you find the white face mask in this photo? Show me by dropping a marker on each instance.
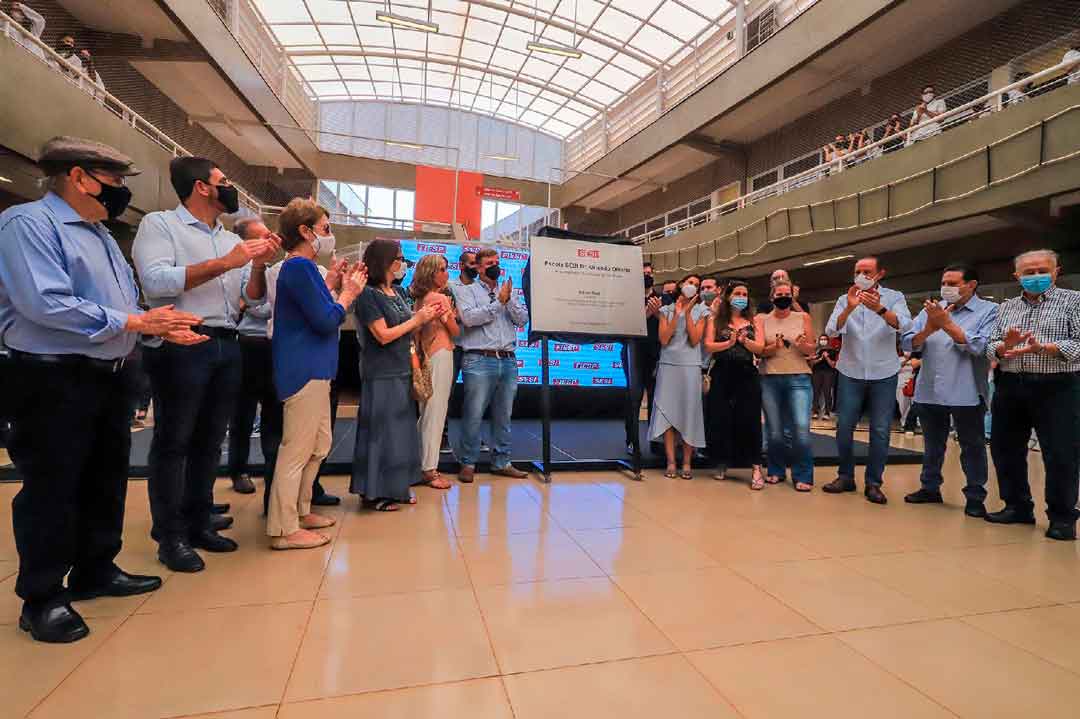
(863, 282)
(950, 294)
(689, 291)
(324, 244)
(399, 273)
(928, 97)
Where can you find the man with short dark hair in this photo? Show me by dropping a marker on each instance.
(869, 318)
(69, 317)
(186, 257)
(952, 385)
(1037, 386)
(491, 314)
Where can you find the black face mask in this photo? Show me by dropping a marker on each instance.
(229, 197)
(114, 199)
(668, 298)
(782, 303)
(492, 273)
(649, 281)
(65, 51)
(470, 272)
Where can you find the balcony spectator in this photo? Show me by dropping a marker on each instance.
(892, 134)
(835, 149)
(930, 107)
(1019, 94)
(91, 72)
(31, 21)
(66, 49)
(1073, 55)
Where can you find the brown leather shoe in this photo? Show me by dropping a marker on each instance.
(875, 495)
(466, 474)
(242, 484)
(838, 485)
(510, 471)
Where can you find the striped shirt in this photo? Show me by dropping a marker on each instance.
(1052, 318)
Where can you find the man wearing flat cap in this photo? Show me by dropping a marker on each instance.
(68, 317)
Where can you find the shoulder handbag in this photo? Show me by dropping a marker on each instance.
(422, 388)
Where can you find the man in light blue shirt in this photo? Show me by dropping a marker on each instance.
(187, 258)
(952, 383)
(868, 319)
(491, 315)
(68, 318)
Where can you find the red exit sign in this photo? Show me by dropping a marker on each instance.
(498, 193)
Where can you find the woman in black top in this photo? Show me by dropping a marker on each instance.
(734, 430)
(823, 364)
(386, 456)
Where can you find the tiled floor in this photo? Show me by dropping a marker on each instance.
(592, 597)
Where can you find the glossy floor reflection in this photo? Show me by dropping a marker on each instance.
(591, 597)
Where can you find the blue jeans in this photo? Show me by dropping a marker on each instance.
(488, 382)
(851, 394)
(786, 399)
(969, 429)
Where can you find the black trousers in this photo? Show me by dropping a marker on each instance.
(195, 390)
(1049, 404)
(639, 363)
(256, 387)
(824, 387)
(70, 442)
(733, 433)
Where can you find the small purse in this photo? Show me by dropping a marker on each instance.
(422, 388)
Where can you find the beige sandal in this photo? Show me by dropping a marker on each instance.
(316, 521)
(282, 543)
(758, 481)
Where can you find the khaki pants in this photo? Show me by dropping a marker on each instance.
(305, 442)
(433, 412)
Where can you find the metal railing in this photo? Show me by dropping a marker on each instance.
(251, 31)
(29, 42)
(664, 89)
(997, 100)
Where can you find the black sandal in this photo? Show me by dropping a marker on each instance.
(381, 505)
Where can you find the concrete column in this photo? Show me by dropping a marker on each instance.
(740, 28)
(999, 78)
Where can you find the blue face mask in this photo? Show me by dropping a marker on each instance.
(1036, 284)
(739, 303)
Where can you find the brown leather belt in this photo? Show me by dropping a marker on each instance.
(497, 354)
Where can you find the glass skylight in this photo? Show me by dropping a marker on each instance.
(479, 61)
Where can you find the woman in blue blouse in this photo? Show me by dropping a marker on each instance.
(305, 349)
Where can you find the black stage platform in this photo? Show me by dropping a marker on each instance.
(571, 440)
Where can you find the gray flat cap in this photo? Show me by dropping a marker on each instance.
(62, 153)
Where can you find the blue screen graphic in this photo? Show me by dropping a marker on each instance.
(586, 365)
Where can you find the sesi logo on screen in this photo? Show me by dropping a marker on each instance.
(603, 380)
(603, 348)
(586, 365)
(571, 381)
(560, 347)
(616, 365)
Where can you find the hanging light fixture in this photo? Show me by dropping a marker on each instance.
(554, 48)
(408, 23)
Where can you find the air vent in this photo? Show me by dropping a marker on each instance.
(761, 27)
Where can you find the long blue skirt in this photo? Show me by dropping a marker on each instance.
(386, 457)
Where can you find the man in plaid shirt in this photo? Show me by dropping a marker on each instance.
(1037, 345)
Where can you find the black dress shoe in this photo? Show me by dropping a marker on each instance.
(1062, 531)
(212, 541)
(53, 623)
(219, 508)
(177, 555)
(219, 522)
(1011, 515)
(326, 500)
(120, 584)
(975, 509)
(242, 484)
(839, 485)
(924, 496)
(874, 495)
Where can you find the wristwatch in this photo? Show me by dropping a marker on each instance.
(882, 311)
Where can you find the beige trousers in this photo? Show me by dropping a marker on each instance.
(305, 442)
(433, 412)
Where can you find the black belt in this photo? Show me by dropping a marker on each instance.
(221, 333)
(1037, 377)
(497, 354)
(254, 340)
(102, 365)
